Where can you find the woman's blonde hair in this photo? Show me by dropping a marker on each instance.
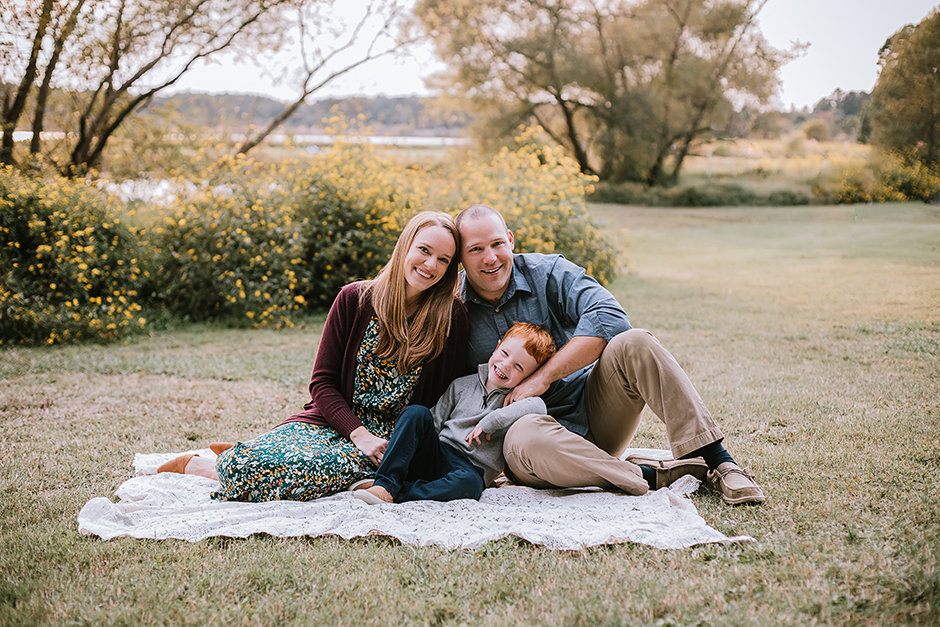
(400, 342)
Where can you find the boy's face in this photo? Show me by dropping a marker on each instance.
(509, 364)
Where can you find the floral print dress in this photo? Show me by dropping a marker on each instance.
(299, 461)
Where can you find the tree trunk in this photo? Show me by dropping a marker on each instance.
(12, 115)
(42, 96)
(933, 122)
(580, 155)
(655, 173)
(656, 170)
(35, 144)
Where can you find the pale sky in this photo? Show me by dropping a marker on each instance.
(844, 38)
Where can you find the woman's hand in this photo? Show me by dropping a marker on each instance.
(372, 446)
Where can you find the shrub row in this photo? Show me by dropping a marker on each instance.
(888, 177)
(714, 195)
(254, 242)
(262, 242)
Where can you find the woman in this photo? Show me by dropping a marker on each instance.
(399, 339)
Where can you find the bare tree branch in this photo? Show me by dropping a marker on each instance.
(315, 63)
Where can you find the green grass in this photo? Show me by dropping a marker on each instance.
(813, 333)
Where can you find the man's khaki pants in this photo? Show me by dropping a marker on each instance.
(633, 371)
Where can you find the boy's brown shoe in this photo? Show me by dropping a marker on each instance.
(735, 485)
(669, 470)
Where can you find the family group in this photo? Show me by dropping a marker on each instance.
(430, 382)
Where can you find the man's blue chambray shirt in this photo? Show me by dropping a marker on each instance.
(550, 291)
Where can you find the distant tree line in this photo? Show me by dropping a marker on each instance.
(839, 115)
(238, 111)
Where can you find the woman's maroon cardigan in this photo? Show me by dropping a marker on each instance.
(334, 372)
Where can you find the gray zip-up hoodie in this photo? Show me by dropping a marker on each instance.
(466, 403)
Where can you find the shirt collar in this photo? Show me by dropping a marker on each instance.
(482, 372)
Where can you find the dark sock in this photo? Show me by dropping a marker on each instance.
(714, 455)
(649, 475)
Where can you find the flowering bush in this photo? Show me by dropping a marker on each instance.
(262, 241)
(352, 204)
(70, 268)
(224, 241)
(905, 177)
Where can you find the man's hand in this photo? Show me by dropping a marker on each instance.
(475, 435)
(580, 351)
(371, 445)
(533, 386)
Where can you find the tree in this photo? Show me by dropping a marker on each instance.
(626, 87)
(905, 103)
(114, 56)
(767, 125)
(849, 125)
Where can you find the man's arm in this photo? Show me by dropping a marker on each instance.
(589, 310)
(504, 417)
(580, 351)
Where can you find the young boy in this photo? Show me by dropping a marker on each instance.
(455, 450)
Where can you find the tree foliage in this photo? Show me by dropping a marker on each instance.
(818, 129)
(842, 103)
(905, 102)
(626, 87)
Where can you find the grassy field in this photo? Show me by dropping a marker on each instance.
(813, 334)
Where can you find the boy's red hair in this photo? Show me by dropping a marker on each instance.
(536, 340)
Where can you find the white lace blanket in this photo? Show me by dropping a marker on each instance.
(168, 505)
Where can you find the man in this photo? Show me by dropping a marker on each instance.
(594, 407)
